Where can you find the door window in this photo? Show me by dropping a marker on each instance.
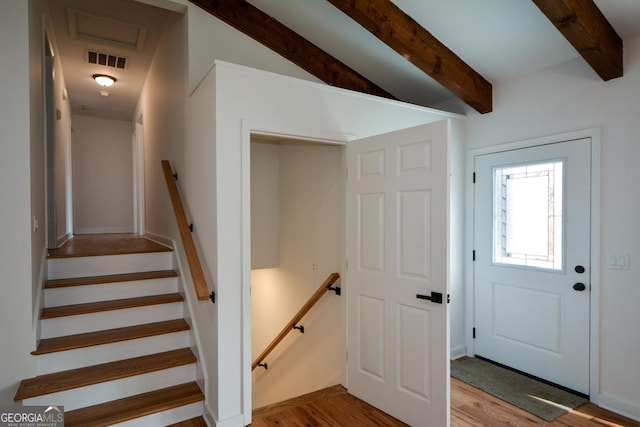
(527, 215)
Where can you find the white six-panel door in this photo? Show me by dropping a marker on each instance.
(397, 245)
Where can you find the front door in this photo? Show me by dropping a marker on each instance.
(532, 251)
(397, 245)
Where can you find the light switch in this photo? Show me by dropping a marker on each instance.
(618, 261)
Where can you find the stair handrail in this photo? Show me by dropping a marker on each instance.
(197, 274)
(327, 285)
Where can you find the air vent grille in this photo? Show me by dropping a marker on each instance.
(106, 59)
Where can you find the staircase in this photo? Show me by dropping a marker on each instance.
(115, 348)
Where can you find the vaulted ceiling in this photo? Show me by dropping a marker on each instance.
(419, 51)
(581, 22)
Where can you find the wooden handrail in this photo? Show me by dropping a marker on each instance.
(199, 281)
(333, 277)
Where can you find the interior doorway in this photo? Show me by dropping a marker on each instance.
(297, 229)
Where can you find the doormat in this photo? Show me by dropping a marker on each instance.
(536, 397)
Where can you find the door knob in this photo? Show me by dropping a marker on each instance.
(434, 297)
(579, 287)
(579, 269)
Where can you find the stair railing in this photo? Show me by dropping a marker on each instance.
(293, 323)
(197, 275)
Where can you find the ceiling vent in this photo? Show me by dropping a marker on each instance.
(106, 59)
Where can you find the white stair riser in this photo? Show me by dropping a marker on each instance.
(109, 291)
(95, 355)
(63, 268)
(70, 325)
(118, 389)
(165, 418)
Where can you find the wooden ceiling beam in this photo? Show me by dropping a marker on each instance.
(404, 35)
(590, 33)
(276, 36)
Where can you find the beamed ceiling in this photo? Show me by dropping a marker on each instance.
(424, 52)
(579, 21)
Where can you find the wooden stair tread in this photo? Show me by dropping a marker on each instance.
(193, 422)
(89, 375)
(94, 307)
(70, 342)
(129, 408)
(112, 278)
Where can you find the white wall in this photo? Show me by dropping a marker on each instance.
(265, 205)
(63, 150)
(311, 211)
(245, 99)
(102, 175)
(212, 40)
(21, 188)
(570, 97)
(161, 105)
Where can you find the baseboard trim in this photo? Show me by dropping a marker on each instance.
(38, 303)
(458, 352)
(63, 239)
(208, 415)
(165, 241)
(619, 406)
(107, 230)
(235, 421)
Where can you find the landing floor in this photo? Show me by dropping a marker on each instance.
(106, 244)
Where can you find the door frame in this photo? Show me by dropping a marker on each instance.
(51, 235)
(139, 226)
(258, 128)
(594, 323)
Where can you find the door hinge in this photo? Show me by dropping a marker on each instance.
(474, 333)
(474, 177)
(473, 256)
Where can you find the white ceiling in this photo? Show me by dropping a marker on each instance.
(137, 26)
(501, 39)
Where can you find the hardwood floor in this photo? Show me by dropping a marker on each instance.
(105, 244)
(332, 406)
(329, 407)
(470, 407)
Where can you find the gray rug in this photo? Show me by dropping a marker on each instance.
(535, 397)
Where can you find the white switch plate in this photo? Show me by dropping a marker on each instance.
(618, 261)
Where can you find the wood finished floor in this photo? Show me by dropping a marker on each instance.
(470, 407)
(105, 244)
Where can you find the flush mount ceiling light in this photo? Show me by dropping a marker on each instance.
(104, 80)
